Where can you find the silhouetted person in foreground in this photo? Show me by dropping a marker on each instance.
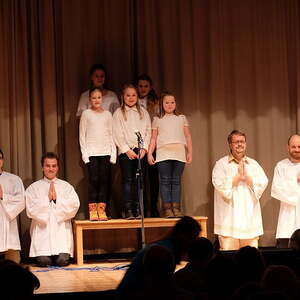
(16, 282)
(281, 279)
(177, 242)
(158, 268)
(191, 277)
(250, 264)
(221, 278)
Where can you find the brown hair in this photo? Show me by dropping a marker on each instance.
(235, 132)
(161, 106)
(93, 89)
(50, 155)
(138, 107)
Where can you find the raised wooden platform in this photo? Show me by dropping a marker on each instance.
(74, 279)
(81, 225)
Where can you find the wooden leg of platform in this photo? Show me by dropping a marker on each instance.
(203, 232)
(79, 246)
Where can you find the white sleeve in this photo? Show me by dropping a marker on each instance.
(283, 190)
(82, 138)
(118, 132)
(67, 204)
(221, 181)
(260, 181)
(113, 151)
(83, 104)
(37, 204)
(114, 103)
(148, 131)
(14, 203)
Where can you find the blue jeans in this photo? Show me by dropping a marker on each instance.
(170, 172)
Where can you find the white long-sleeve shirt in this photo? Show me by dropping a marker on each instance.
(110, 102)
(286, 189)
(51, 227)
(124, 130)
(237, 211)
(10, 207)
(95, 135)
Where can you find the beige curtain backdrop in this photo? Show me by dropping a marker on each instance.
(231, 63)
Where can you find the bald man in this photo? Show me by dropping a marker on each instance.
(286, 189)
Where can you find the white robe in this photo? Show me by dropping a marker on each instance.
(237, 211)
(51, 226)
(10, 207)
(286, 188)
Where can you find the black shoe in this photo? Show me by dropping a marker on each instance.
(129, 215)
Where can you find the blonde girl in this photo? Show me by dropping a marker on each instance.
(129, 119)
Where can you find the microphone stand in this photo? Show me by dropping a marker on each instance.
(139, 178)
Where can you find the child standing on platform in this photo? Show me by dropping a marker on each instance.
(149, 100)
(129, 119)
(98, 151)
(173, 142)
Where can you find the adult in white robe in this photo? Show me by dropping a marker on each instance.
(286, 189)
(12, 202)
(239, 182)
(51, 203)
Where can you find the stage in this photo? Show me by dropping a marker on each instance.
(91, 277)
(101, 277)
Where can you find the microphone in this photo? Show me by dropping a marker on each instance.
(139, 136)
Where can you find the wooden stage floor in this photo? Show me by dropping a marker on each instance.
(74, 278)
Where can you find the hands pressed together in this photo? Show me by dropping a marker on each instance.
(52, 193)
(242, 175)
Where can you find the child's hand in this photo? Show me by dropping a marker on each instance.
(189, 158)
(131, 155)
(151, 160)
(142, 153)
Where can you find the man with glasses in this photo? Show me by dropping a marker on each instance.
(239, 182)
(12, 202)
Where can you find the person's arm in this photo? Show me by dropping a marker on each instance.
(13, 203)
(147, 135)
(113, 151)
(152, 146)
(37, 203)
(284, 188)
(189, 144)
(119, 135)
(83, 104)
(67, 202)
(222, 180)
(259, 180)
(82, 138)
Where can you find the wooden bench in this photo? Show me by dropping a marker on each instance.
(81, 225)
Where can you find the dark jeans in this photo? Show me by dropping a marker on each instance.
(129, 180)
(99, 178)
(170, 172)
(63, 259)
